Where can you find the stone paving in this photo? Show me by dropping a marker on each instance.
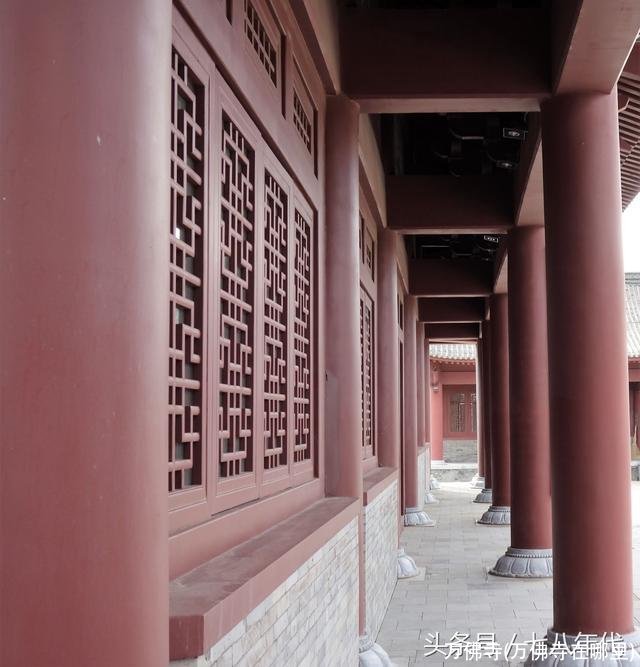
(456, 593)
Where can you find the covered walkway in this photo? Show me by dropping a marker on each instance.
(456, 593)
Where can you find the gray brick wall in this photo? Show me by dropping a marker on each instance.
(381, 548)
(310, 619)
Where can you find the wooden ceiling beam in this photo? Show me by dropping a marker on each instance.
(450, 277)
(452, 332)
(451, 311)
(421, 60)
(449, 204)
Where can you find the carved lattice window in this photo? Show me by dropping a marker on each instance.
(367, 249)
(304, 113)
(262, 39)
(275, 322)
(186, 276)
(241, 387)
(302, 337)
(367, 379)
(236, 425)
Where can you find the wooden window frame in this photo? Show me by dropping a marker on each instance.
(368, 252)
(195, 512)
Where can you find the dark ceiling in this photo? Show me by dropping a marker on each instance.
(457, 144)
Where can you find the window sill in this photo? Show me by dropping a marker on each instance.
(214, 597)
(375, 482)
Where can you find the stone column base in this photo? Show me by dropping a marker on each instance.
(524, 563)
(620, 651)
(371, 654)
(477, 482)
(406, 566)
(434, 484)
(414, 516)
(485, 496)
(496, 515)
(430, 499)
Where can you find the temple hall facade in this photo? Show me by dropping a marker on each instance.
(235, 234)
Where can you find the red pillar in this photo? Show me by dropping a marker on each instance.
(420, 383)
(435, 414)
(410, 404)
(588, 391)
(84, 203)
(530, 552)
(414, 516)
(388, 361)
(479, 478)
(485, 495)
(499, 511)
(343, 454)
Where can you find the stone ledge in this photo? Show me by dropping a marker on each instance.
(375, 482)
(211, 599)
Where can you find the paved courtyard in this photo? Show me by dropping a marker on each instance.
(456, 593)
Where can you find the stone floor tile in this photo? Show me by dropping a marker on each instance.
(456, 593)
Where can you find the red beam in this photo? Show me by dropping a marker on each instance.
(450, 277)
(591, 40)
(449, 205)
(444, 332)
(432, 60)
(455, 310)
(529, 196)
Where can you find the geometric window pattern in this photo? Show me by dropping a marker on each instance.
(367, 378)
(457, 412)
(242, 289)
(259, 38)
(367, 250)
(461, 411)
(236, 354)
(302, 336)
(366, 245)
(275, 323)
(302, 122)
(185, 293)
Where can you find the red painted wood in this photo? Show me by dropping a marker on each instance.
(409, 414)
(480, 398)
(344, 423)
(589, 401)
(420, 381)
(487, 432)
(451, 310)
(436, 408)
(463, 396)
(85, 193)
(452, 278)
(367, 251)
(442, 331)
(529, 391)
(388, 365)
(500, 470)
(465, 205)
(489, 54)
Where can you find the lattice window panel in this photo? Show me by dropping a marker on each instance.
(275, 323)
(303, 338)
(367, 376)
(263, 41)
(237, 229)
(457, 412)
(304, 114)
(186, 272)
